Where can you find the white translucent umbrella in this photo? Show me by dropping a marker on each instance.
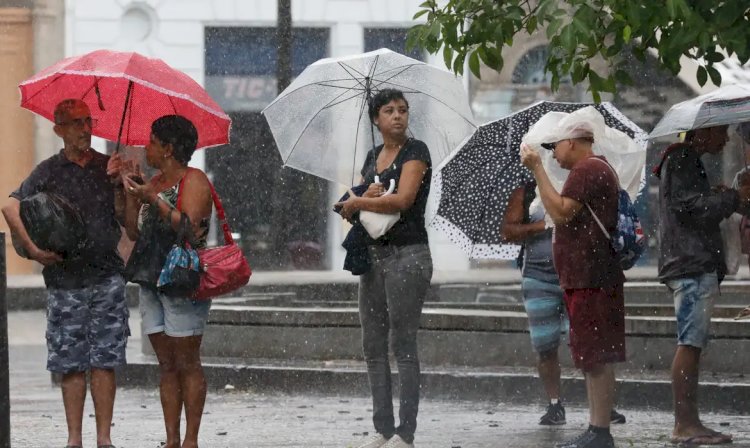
(726, 105)
(321, 125)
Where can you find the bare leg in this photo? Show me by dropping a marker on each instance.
(103, 389)
(74, 397)
(193, 384)
(549, 372)
(601, 388)
(169, 387)
(685, 373)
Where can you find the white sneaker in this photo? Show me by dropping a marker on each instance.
(374, 441)
(397, 442)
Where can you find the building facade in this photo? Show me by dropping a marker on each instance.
(31, 38)
(229, 46)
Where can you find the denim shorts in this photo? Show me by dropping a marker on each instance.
(87, 327)
(545, 308)
(693, 304)
(175, 316)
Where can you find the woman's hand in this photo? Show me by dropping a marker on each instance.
(349, 207)
(375, 190)
(142, 192)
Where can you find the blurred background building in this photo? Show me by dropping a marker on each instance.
(283, 218)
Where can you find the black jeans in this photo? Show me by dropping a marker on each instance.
(391, 296)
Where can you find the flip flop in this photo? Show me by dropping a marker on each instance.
(713, 438)
(106, 446)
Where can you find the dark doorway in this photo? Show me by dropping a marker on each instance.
(280, 213)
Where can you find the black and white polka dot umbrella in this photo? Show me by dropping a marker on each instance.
(471, 188)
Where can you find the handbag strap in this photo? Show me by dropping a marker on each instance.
(228, 240)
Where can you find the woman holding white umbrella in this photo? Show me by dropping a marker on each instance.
(393, 290)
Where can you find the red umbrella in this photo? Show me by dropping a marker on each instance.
(126, 92)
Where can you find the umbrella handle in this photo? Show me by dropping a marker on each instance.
(391, 187)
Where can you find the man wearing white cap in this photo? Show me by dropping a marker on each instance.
(589, 271)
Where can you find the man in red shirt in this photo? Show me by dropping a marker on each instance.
(589, 271)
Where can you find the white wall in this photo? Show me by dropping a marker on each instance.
(173, 31)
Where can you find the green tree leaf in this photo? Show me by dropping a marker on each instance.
(531, 24)
(578, 30)
(626, 33)
(702, 76)
(420, 14)
(447, 55)
(714, 74)
(474, 63)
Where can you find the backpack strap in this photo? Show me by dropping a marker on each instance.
(596, 218)
(617, 178)
(601, 226)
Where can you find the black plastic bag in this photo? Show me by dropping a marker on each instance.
(53, 223)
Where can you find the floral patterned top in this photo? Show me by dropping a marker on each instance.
(170, 196)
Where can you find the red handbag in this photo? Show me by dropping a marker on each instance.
(223, 268)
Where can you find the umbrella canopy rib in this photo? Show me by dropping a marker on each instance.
(356, 140)
(355, 96)
(402, 69)
(307, 125)
(129, 107)
(89, 89)
(347, 68)
(46, 86)
(322, 84)
(401, 87)
(171, 103)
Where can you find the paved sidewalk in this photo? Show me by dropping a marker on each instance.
(240, 419)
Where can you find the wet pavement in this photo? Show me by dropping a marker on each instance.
(247, 419)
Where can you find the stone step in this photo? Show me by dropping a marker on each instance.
(473, 338)
(718, 393)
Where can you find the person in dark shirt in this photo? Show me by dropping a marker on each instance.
(87, 316)
(589, 272)
(393, 290)
(691, 264)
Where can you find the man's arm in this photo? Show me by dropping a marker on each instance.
(560, 208)
(12, 214)
(690, 203)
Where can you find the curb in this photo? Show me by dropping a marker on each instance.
(446, 384)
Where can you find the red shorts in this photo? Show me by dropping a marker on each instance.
(597, 325)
